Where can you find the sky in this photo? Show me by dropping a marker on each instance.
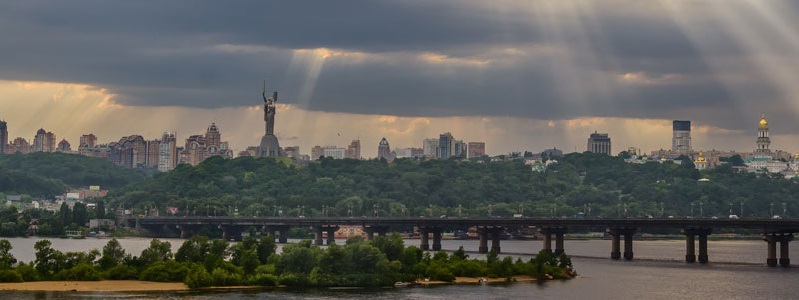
(518, 75)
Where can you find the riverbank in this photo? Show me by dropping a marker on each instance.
(149, 286)
(96, 286)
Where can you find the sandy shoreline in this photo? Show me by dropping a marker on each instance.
(95, 286)
(148, 286)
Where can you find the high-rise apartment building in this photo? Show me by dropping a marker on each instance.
(384, 150)
(476, 150)
(19, 145)
(87, 141)
(599, 143)
(213, 140)
(64, 146)
(49, 142)
(681, 138)
(167, 153)
(3, 136)
(459, 148)
(354, 150)
(317, 152)
(39, 141)
(446, 146)
(430, 148)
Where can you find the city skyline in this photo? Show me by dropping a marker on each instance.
(514, 74)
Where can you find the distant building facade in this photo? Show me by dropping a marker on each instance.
(384, 150)
(599, 143)
(476, 150)
(3, 136)
(354, 150)
(681, 136)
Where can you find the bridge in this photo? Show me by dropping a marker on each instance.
(695, 230)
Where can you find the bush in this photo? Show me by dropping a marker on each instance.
(10, 276)
(81, 272)
(27, 271)
(121, 272)
(198, 277)
(165, 271)
(222, 277)
(263, 280)
(294, 280)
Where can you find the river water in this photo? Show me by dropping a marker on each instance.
(737, 271)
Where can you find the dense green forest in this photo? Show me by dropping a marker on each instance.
(597, 185)
(49, 174)
(200, 262)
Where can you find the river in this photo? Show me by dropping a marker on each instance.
(737, 271)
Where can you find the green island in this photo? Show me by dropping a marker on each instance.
(202, 262)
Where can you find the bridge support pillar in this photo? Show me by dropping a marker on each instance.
(547, 241)
(783, 239)
(702, 257)
(482, 234)
(424, 243)
(331, 234)
(282, 234)
(558, 232)
(436, 239)
(381, 230)
(690, 245)
(495, 233)
(231, 233)
(370, 233)
(318, 234)
(616, 233)
(185, 232)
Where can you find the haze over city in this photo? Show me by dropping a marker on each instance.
(517, 75)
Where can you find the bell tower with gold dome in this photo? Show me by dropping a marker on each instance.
(763, 141)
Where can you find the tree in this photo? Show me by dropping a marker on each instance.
(48, 260)
(80, 215)
(158, 251)
(7, 259)
(113, 255)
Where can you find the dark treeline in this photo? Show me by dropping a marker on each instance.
(201, 262)
(595, 184)
(46, 175)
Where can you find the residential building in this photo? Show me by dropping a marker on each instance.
(384, 150)
(476, 150)
(681, 136)
(430, 148)
(3, 136)
(599, 143)
(446, 145)
(167, 152)
(64, 146)
(39, 140)
(354, 150)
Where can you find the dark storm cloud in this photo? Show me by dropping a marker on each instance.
(214, 54)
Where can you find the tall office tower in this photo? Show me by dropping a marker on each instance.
(476, 149)
(3, 136)
(39, 140)
(459, 149)
(763, 141)
(430, 148)
(446, 145)
(354, 150)
(49, 142)
(599, 143)
(167, 152)
(384, 150)
(153, 149)
(64, 146)
(681, 138)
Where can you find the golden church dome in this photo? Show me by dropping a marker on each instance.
(763, 121)
(700, 158)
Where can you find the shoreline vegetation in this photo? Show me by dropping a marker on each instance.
(201, 263)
